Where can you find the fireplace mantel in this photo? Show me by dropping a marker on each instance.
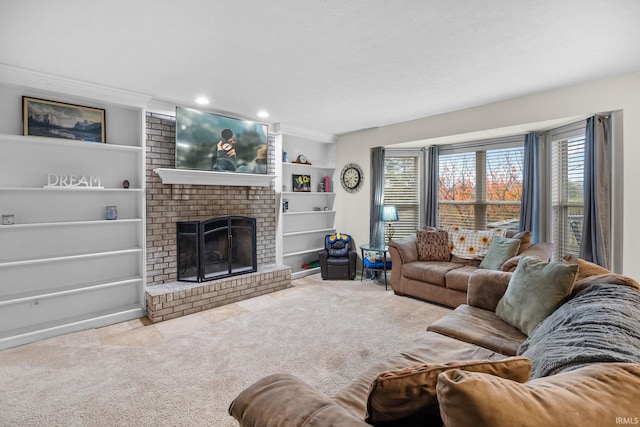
(198, 177)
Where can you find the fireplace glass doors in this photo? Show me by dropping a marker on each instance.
(216, 248)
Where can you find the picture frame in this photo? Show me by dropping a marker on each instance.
(53, 119)
(301, 183)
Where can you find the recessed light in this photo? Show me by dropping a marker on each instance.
(263, 114)
(202, 100)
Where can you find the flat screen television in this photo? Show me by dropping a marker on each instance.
(211, 142)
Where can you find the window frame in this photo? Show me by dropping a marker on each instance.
(482, 146)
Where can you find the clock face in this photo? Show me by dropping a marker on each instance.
(302, 158)
(351, 177)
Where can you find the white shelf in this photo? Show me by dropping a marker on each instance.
(67, 258)
(98, 189)
(308, 212)
(304, 252)
(68, 143)
(71, 223)
(312, 166)
(304, 272)
(308, 193)
(32, 296)
(199, 177)
(302, 233)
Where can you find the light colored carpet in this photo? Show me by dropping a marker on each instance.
(186, 372)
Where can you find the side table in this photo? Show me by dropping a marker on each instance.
(382, 266)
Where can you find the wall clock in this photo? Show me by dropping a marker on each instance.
(351, 177)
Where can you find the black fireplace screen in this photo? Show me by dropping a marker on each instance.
(216, 248)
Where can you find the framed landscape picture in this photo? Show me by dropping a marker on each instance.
(60, 120)
(301, 183)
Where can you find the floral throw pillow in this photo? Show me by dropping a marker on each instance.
(433, 245)
(472, 244)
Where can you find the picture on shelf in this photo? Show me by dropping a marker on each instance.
(60, 120)
(301, 183)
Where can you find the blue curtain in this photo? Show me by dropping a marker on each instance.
(596, 228)
(530, 204)
(376, 225)
(433, 186)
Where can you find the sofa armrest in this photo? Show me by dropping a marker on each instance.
(486, 288)
(540, 251)
(283, 399)
(406, 248)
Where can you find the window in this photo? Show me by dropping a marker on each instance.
(402, 188)
(567, 188)
(481, 184)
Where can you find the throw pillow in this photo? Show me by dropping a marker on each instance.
(525, 240)
(500, 250)
(592, 396)
(472, 244)
(400, 394)
(585, 268)
(536, 289)
(433, 245)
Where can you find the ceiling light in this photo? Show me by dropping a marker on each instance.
(263, 114)
(202, 100)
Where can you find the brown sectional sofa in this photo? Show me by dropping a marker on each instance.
(445, 282)
(566, 389)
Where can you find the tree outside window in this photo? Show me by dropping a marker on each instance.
(481, 189)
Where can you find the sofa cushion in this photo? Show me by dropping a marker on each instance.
(433, 245)
(458, 278)
(536, 289)
(305, 405)
(541, 251)
(480, 327)
(596, 395)
(428, 271)
(500, 250)
(395, 395)
(585, 268)
(472, 244)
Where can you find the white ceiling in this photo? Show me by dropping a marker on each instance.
(332, 66)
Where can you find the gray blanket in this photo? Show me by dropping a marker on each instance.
(600, 324)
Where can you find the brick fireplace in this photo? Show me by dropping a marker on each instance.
(168, 204)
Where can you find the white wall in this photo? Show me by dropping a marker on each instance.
(620, 93)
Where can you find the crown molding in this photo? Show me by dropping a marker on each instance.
(279, 128)
(34, 79)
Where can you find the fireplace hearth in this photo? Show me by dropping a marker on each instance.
(216, 248)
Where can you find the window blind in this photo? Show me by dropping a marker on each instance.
(402, 189)
(567, 195)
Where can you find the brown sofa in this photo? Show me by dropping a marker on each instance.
(445, 282)
(569, 390)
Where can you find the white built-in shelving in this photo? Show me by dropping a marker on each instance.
(310, 215)
(63, 266)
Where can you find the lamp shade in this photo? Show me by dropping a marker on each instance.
(389, 213)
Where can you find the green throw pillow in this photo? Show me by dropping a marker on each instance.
(536, 289)
(500, 250)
